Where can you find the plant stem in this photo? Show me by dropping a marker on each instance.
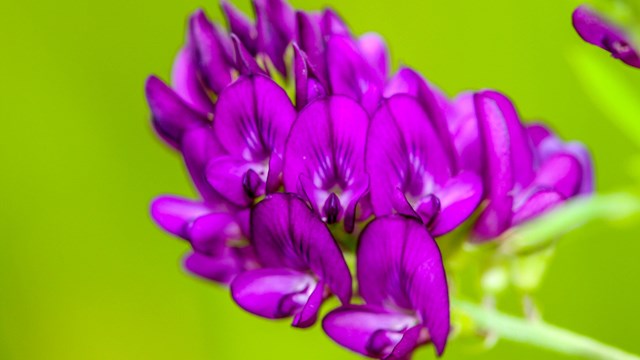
(539, 334)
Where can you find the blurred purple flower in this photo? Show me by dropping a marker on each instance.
(595, 29)
(402, 281)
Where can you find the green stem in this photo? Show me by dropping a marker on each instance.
(539, 334)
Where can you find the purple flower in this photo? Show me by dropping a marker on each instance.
(596, 30)
(302, 263)
(522, 183)
(253, 118)
(402, 281)
(409, 171)
(324, 159)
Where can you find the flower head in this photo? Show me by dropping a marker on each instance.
(289, 124)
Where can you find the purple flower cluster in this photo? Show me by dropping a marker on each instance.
(386, 159)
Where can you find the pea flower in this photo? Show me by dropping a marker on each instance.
(301, 260)
(402, 281)
(325, 158)
(409, 171)
(522, 183)
(595, 29)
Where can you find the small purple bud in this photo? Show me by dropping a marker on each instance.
(332, 208)
(429, 209)
(251, 184)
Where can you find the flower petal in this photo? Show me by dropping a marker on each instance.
(521, 147)
(245, 63)
(214, 51)
(311, 40)
(399, 264)
(561, 172)
(327, 144)
(332, 24)
(408, 81)
(199, 146)
(308, 85)
(458, 200)
(221, 269)
(185, 80)
(171, 116)
(236, 180)
(272, 293)
(596, 30)
(374, 49)
(253, 118)
(499, 173)
(537, 204)
(368, 330)
(174, 214)
(209, 234)
(286, 233)
(351, 75)
(403, 151)
(240, 26)
(276, 25)
(463, 126)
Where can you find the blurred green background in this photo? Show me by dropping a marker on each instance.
(84, 274)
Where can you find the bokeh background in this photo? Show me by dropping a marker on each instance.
(84, 274)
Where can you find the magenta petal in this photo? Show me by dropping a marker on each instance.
(221, 269)
(327, 145)
(209, 234)
(199, 146)
(351, 75)
(174, 214)
(374, 49)
(332, 24)
(276, 25)
(368, 330)
(537, 204)
(499, 173)
(403, 151)
(272, 293)
(253, 118)
(245, 63)
(521, 147)
(236, 180)
(171, 116)
(287, 233)
(596, 30)
(308, 86)
(463, 126)
(214, 51)
(311, 40)
(408, 81)
(185, 80)
(309, 312)
(459, 198)
(561, 172)
(240, 26)
(399, 264)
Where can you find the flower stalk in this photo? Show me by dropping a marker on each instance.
(539, 333)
